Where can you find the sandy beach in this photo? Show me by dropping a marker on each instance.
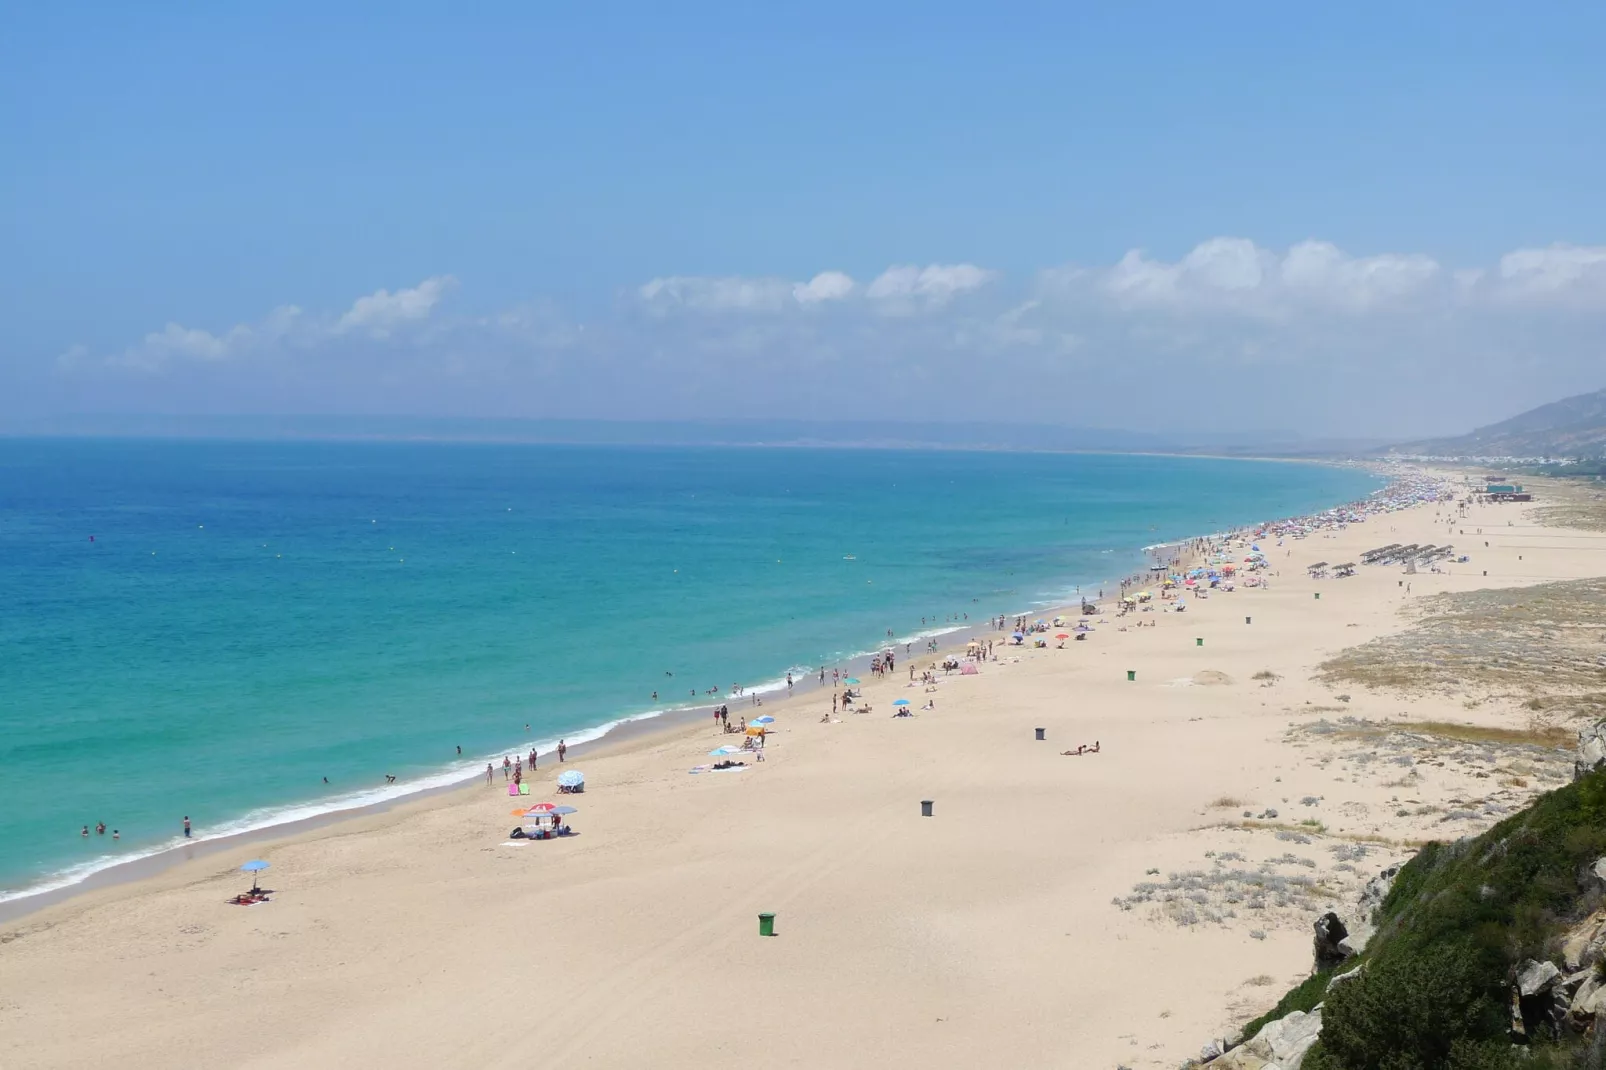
(1117, 908)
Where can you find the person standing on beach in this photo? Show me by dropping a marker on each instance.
(507, 767)
(563, 748)
(532, 759)
(490, 772)
(186, 826)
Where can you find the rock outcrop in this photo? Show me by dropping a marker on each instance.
(1585, 943)
(1330, 946)
(1591, 750)
(1280, 1045)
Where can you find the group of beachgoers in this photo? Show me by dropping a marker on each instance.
(513, 767)
(100, 830)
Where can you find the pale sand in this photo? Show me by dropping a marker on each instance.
(985, 935)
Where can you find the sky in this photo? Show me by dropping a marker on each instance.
(1364, 220)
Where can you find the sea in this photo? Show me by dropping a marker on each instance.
(250, 633)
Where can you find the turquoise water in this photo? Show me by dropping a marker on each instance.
(251, 618)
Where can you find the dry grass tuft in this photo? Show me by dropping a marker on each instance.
(1538, 735)
(1539, 646)
(1226, 802)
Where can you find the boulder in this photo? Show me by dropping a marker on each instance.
(1339, 978)
(1585, 943)
(1591, 750)
(1591, 1005)
(1595, 875)
(1535, 977)
(1241, 1059)
(1283, 1043)
(1329, 943)
(1211, 1050)
(1373, 894)
(1581, 1010)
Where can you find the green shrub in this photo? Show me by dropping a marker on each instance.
(1459, 917)
(1409, 1011)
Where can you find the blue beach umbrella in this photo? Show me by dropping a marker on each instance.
(766, 719)
(901, 702)
(254, 867)
(851, 680)
(720, 752)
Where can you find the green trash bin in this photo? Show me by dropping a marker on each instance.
(1131, 674)
(1318, 596)
(766, 925)
(1198, 642)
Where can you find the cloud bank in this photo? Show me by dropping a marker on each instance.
(1228, 334)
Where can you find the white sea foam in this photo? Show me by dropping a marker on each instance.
(271, 817)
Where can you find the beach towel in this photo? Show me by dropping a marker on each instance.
(524, 789)
(512, 789)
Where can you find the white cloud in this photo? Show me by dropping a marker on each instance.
(376, 315)
(1325, 272)
(1556, 273)
(1275, 327)
(1235, 275)
(826, 286)
(716, 294)
(934, 284)
(381, 312)
(736, 293)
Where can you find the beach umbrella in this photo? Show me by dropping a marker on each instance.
(541, 808)
(254, 867)
(1062, 635)
(720, 752)
(968, 670)
(564, 810)
(901, 702)
(1018, 635)
(766, 719)
(851, 680)
(518, 812)
(571, 778)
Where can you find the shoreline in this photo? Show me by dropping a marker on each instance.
(60, 886)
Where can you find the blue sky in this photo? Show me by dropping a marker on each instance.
(607, 210)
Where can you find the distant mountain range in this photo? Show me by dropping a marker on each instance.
(1571, 427)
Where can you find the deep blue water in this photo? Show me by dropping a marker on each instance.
(250, 618)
